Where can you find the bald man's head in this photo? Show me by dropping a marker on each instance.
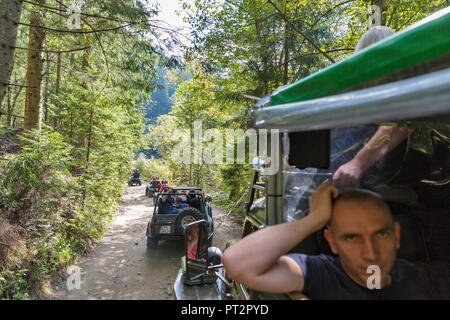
(360, 197)
(363, 233)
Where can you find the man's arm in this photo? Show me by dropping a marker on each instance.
(258, 261)
(384, 140)
(164, 197)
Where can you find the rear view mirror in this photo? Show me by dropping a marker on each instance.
(196, 243)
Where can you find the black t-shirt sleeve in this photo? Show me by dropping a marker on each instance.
(313, 268)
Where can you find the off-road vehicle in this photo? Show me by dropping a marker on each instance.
(167, 226)
(133, 181)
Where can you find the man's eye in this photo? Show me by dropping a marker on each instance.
(383, 234)
(350, 238)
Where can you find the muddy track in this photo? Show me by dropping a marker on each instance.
(120, 267)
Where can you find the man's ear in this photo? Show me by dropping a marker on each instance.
(328, 236)
(397, 229)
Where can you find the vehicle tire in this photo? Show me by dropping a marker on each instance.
(186, 216)
(152, 243)
(140, 183)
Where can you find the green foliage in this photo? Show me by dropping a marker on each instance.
(260, 45)
(150, 168)
(204, 97)
(33, 167)
(14, 285)
(64, 195)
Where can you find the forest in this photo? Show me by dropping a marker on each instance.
(76, 110)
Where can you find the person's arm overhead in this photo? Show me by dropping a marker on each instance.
(258, 261)
(164, 197)
(384, 140)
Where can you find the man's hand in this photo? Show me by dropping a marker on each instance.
(320, 204)
(348, 174)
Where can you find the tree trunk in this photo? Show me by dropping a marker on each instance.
(286, 54)
(88, 154)
(9, 18)
(58, 81)
(84, 69)
(11, 108)
(47, 80)
(57, 89)
(33, 96)
(8, 106)
(264, 59)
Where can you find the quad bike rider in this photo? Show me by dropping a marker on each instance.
(135, 179)
(153, 187)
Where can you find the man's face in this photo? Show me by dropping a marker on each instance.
(363, 234)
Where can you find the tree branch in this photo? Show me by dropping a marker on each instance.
(17, 85)
(12, 115)
(74, 31)
(315, 53)
(301, 33)
(52, 51)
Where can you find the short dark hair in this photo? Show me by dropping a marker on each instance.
(358, 195)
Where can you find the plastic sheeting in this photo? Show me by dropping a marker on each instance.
(422, 96)
(299, 185)
(347, 142)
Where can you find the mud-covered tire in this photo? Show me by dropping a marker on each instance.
(152, 243)
(186, 216)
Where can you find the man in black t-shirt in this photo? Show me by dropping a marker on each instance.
(360, 230)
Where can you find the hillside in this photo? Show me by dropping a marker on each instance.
(161, 100)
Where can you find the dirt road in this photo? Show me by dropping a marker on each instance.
(119, 267)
